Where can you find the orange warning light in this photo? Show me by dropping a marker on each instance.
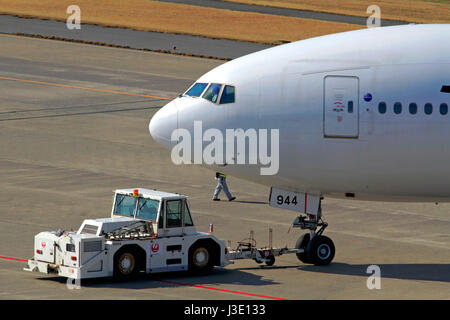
(135, 192)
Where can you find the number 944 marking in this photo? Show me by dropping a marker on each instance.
(287, 200)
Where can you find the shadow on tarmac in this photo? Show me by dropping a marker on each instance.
(218, 276)
(424, 272)
(251, 202)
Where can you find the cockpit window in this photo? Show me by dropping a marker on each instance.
(196, 90)
(212, 93)
(227, 95)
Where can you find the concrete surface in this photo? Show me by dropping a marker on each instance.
(63, 150)
(220, 48)
(296, 13)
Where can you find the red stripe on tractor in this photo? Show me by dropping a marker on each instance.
(306, 201)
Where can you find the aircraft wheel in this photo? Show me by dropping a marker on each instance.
(302, 243)
(320, 250)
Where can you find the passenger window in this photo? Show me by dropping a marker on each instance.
(382, 107)
(187, 216)
(196, 90)
(350, 106)
(173, 214)
(397, 108)
(413, 108)
(212, 93)
(227, 95)
(443, 109)
(428, 108)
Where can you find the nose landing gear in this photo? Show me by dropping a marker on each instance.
(315, 248)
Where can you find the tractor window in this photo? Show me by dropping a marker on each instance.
(147, 209)
(173, 214)
(161, 217)
(187, 216)
(125, 205)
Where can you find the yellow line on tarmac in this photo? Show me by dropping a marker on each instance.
(83, 88)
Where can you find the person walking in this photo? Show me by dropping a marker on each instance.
(222, 184)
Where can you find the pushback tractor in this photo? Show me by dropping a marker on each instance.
(148, 230)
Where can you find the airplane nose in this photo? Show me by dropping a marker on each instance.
(163, 123)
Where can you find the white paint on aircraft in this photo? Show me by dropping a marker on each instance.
(326, 96)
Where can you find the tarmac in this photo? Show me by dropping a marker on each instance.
(296, 13)
(177, 43)
(156, 41)
(74, 127)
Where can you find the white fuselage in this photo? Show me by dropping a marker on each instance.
(324, 95)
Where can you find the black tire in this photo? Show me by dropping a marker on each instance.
(271, 260)
(320, 250)
(126, 265)
(302, 243)
(201, 259)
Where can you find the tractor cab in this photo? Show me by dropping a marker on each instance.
(168, 213)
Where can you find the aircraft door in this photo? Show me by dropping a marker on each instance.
(341, 107)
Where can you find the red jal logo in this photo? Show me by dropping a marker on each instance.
(43, 244)
(155, 247)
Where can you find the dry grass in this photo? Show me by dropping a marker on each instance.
(420, 11)
(177, 18)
